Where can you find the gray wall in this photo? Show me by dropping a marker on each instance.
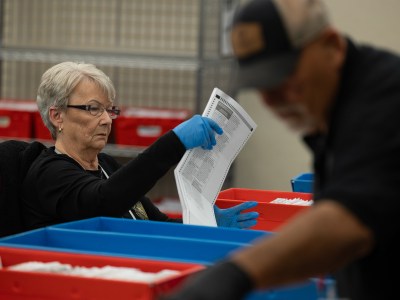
(274, 154)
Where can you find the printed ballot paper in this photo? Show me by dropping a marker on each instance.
(200, 173)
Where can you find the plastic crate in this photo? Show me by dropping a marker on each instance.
(272, 215)
(123, 244)
(140, 126)
(303, 183)
(171, 206)
(163, 229)
(40, 130)
(16, 118)
(307, 290)
(140, 246)
(34, 285)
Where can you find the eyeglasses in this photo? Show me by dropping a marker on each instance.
(96, 109)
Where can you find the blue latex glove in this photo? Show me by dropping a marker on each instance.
(233, 216)
(198, 131)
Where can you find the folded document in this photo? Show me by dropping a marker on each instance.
(201, 173)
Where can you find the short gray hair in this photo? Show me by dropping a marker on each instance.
(58, 83)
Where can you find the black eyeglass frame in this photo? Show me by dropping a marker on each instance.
(113, 112)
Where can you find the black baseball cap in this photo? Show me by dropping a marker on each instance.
(268, 35)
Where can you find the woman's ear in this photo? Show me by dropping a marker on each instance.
(55, 116)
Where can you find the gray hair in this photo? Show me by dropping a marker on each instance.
(58, 83)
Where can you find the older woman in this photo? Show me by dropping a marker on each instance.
(74, 180)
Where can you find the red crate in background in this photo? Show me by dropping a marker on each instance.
(170, 206)
(141, 126)
(272, 215)
(16, 118)
(40, 130)
(17, 285)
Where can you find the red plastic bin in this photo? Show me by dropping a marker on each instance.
(272, 215)
(16, 118)
(40, 130)
(141, 126)
(17, 285)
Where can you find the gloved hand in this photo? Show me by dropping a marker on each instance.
(224, 280)
(233, 216)
(198, 131)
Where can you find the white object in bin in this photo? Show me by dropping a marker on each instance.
(107, 272)
(295, 201)
(170, 205)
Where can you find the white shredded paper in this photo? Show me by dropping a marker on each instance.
(106, 272)
(294, 201)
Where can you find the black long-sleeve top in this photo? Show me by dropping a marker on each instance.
(57, 189)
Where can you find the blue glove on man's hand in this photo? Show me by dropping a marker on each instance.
(198, 131)
(233, 216)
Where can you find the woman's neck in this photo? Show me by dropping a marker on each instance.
(87, 159)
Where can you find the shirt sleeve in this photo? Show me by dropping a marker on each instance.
(64, 191)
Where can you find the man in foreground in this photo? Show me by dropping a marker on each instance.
(343, 99)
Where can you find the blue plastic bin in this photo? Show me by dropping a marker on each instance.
(121, 244)
(304, 291)
(163, 229)
(303, 183)
(167, 248)
(155, 247)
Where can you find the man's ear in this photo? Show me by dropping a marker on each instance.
(336, 45)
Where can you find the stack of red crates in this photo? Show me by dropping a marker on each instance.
(137, 126)
(141, 126)
(21, 119)
(16, 118)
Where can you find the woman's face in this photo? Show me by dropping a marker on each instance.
(81, 129)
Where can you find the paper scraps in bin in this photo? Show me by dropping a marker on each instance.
(106, 272)
(294, 201)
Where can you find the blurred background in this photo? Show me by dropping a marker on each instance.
(168, 55)
(274, 154)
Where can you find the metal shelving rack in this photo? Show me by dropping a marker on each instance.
(167, 54)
